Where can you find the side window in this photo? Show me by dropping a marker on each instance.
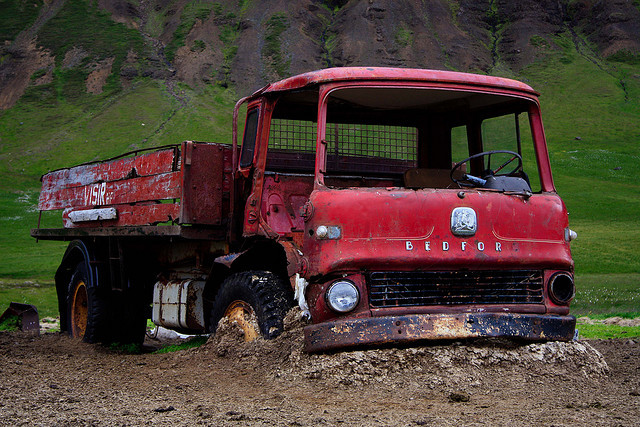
(292, 146)
(249, 140)
(459, 143)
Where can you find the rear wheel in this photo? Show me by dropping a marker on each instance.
(86, 308)
(257, 301)
(79, 310)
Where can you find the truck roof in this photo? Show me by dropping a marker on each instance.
(386, 74)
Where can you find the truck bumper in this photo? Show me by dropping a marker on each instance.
(404, 329)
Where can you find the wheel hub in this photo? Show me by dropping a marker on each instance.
(79, 310)
(243, 315)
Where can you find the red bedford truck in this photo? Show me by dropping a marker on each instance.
(397, 205)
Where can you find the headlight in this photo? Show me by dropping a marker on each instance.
(561, 288)
(343, 296)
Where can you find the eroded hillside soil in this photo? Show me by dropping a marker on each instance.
(55, 380)
(248, 44)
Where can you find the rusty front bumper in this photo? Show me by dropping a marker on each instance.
(403, 329)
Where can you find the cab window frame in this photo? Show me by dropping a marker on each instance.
(250, 138)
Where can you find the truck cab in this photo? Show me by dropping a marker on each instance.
(416, 204)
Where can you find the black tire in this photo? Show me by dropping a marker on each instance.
(263, 291)
(87, 308)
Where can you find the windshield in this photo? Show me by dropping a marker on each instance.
(428, 138)
(413, 138)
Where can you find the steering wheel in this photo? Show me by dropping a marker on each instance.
(474, 181)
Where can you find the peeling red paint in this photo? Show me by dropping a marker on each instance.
(148, 189)
(384, 74)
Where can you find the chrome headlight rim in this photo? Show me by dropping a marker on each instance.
(346, 285)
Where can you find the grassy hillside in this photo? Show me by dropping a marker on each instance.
(591, 109)
(38, 138)
(595, 174)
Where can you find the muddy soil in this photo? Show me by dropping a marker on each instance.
(55, 380)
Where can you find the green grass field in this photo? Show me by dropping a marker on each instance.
(27, 292)
(605, 332)
(607, 295)
(591, 110)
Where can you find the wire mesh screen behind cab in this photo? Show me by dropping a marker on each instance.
(352, 149)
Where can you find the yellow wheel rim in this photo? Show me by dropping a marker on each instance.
(243, 315)
(79, 310)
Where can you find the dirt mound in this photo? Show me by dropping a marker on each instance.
(450, 367)
(97, 78)
(229, 342)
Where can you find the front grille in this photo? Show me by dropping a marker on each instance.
(425, 288)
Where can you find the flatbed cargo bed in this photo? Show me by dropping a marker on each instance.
(179, 191)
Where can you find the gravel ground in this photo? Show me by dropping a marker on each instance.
(52, 379)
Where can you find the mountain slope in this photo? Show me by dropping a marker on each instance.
(248, 43)
(81, 80)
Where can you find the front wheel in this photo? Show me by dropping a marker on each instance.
(257, 301)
